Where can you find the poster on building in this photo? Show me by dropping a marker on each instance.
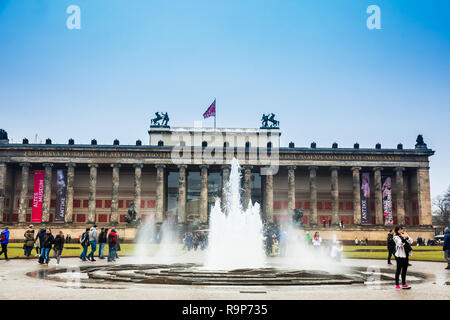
(38, 196)
(61, 181)
(365, 198)
(386, 183)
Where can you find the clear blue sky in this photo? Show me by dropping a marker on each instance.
(313, 63)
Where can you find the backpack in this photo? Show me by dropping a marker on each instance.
(408, 248)
(85, 239)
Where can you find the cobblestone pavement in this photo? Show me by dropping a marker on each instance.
(17, 284)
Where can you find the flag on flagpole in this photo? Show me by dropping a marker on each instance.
(211, 111)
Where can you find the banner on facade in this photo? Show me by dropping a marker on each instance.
(38, 196)
(386, 184)
(365, 198)
(61, 182)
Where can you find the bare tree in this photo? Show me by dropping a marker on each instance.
(441, 206)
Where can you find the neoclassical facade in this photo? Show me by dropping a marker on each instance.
(180, 173)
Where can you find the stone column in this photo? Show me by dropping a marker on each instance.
(204, 194)
(225, 177)
(3, 168)
(335, 195)
(137, 188)
(68, 218)
(92, 192)
(291, 189)
(356, 195)
(47, 192)
(160, 177)
(423, 196)
(247, 186)
(115, 193)
(268, 196)
(23, 193)
(400, 196)
(378, 196)
(182, 194)
(313, 194)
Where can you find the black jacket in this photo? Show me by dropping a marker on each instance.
(49, 240)
(59, 242)
(102, 238)
(390, 242)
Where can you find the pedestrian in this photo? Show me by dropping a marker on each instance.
(84, 240)
(29, 241)
(117, 245)
(308, 238)
(48, 242)
(59, 246)
(40, 238)
(102, 239)
(446, 246)
(356, 241)
(316, 240)
(93, 239)
(324, 223)
(4, 240)
(390, 245)
(403, 250)
(112, 240)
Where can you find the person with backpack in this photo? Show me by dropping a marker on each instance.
(29, 241)
(40, 240)
(4, 240)
(84, 240)
(117, 245)
(102, 240)
(48, 242)
(403, 250)
(93, 239)
(390, 245)
(59, 246)
(446, 247)
(112, 241)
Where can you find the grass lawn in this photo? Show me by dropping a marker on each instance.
(432, 253)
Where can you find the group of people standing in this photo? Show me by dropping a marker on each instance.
(192, 240)
(91, 237)
(44, 241)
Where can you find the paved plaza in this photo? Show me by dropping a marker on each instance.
(25, 279)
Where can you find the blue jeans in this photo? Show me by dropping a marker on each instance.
(112, 253)
(83, 254)
(93, 249)
(46, 254)
(101, 249)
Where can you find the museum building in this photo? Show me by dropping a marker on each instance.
(181, 172)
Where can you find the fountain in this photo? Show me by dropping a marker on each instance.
(235, 234)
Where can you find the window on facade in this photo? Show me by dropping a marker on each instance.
(172, 193)
(160, 143)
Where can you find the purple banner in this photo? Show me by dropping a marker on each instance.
(61, 181)
(365, 198)
(386, 184)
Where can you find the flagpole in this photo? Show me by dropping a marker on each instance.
(215, 112)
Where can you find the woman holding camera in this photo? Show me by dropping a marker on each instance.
(403, 250)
